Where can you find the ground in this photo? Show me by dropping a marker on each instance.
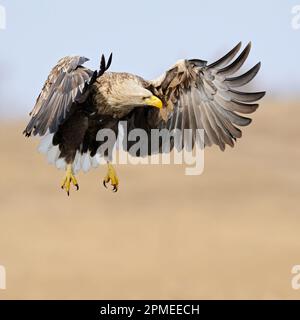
(233, 232)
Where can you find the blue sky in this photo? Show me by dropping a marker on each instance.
(146, 37)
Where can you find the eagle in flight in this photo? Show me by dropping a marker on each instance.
(76, 102)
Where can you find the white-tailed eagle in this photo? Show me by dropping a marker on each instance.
(76, 102)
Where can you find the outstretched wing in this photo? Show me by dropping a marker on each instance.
(201, 96)
(65, 86)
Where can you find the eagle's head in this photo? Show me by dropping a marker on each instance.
(130, 93)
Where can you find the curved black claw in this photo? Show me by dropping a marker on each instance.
(115, 189)
(104, 183)
(77, 187)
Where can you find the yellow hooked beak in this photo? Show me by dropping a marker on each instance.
(153, 101)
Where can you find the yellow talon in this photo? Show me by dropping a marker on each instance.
(69, 178)
(111, 177)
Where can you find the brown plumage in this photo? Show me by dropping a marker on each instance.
(75, 103)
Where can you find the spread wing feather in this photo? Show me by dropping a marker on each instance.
(202, 96)
(64, 88)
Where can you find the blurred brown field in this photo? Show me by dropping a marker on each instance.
(233, 232)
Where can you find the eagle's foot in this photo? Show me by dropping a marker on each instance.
(112, 178)
(69, 178)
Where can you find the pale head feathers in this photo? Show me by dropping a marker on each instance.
(128, 92)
